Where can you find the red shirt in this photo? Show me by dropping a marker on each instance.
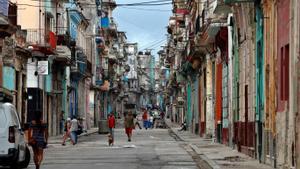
(145, 116)
(111, 121)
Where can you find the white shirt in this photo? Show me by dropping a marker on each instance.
(151, 119)
(74, 125)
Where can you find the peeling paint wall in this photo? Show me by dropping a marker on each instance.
(282, 117)
(270, 81)
(210, 130)
(298, 87)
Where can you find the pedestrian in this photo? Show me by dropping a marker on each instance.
(111, 124)
(136, 121)
(145, 119)
(74, 130)
(80, 126)
(162, 115)
(129, 125)
(38, 138)
(151, 122)
(67, 130)
(62, 122)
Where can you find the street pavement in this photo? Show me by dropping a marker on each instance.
(211, 155)
(152, 148)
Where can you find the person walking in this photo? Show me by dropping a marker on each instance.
(111, 124)
(38, 138)
(67, 130)
(74, 129)
(145, 119)
(129, 125)
(151, 122)
(62, 122)
(137, 122)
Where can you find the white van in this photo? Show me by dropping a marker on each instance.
(14, 151)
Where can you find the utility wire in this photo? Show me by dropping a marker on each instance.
(159, 4)
(155, 45)
(152, 43)
(147, 9)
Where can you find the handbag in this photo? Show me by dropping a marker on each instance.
(31, 140)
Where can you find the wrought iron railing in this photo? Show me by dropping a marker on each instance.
(37, 36)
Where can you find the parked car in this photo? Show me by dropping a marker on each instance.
(14, 151)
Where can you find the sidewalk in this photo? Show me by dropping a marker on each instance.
(58, 139)
(215, 155)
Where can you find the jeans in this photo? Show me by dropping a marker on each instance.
(74, 136)
(145, 124)
(111, 131)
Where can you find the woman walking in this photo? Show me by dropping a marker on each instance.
(38, 138)
(67, 132)
(129, 125)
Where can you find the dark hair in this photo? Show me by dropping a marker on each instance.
(38, 116)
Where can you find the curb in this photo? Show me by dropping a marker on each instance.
(207, 163)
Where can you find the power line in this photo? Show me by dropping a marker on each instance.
(146, 4)
(147, 9)
(156, 1)
(152, 43)
(155, 45)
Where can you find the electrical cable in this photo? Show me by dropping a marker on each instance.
(147, 9)
(152, 43)
(155, 45)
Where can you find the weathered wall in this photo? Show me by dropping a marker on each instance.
(298, 92)
(270, 81)
(282, 119)
(209, 99)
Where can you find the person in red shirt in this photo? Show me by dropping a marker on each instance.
(145, 119)
(111, 124)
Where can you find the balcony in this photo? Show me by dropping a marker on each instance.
(237, 1)
(222, 9)
(8, 19)
(79, 64)
(41, 41)
(110, 3)
(63, 37)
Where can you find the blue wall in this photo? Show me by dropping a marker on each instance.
(4, 7)
(9, 78)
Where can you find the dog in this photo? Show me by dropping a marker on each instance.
(110, 140)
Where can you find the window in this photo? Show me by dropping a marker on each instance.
(3, 119)
(284, 72)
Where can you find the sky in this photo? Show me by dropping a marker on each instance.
(145, 25)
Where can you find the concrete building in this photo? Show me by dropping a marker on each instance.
(13, 59)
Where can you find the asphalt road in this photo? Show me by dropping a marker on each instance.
(153, 149)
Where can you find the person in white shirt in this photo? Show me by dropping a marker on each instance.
(74, 128)
(151, 122)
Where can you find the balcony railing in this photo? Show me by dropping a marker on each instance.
(63, 36)
(79, 65)
(41, 37)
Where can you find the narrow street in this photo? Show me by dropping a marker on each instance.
(154, 149)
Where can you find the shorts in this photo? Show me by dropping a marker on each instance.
(128, 130)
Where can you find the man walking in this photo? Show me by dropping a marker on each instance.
(145, 119)
(129, 125)
(74, 129)
(111, 124)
